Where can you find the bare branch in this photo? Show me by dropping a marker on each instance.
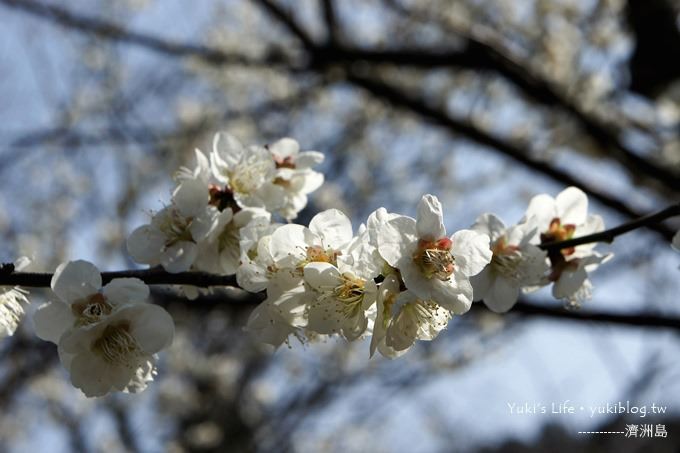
(396, 97)
(114, 32)
(287, 20)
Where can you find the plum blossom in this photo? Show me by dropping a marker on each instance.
(281, 315)
(433, 266)
(172, 237)
(402, 318)
(295, 175)
(248, 173)
(345, 293)
(558, 219)
(117, 353)
(294, 246)
(220, 252)
(106, 336)
(257, 264)
(11, 300)
(515, 263)
(81, 299)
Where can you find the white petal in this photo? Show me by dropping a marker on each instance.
(268, 326)
(285, 147)
(430, 220)
(152, 327)
(252, 277)
(321, 276)
(288, 244)
(503, 295)
(471, 252)
(396, 238)
(572, 205)
(333, 227)
(272, 195)
(542, 209)
(122, 291)
(76, 280)
(489, 224)
(308, 159)
(51, 320)
(179, 257)
(593, 224)
(569, 283)
(206, 221)
(228, 148)
(456, 295)
(145, 244)
(482, 282)
(90, 374)
(191, 197)
(414, 279)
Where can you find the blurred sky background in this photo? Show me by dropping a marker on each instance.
(483, 103)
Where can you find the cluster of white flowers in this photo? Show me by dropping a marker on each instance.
(397, 279)
(401, 279)
(200, 228)
(107, 337)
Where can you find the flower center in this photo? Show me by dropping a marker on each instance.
(434, 258)
(222, 198)
(91, 310)
(317, 254)
(284, 162)
(176, 228)
(558, 232)
(558, 263)
(249, 175)
(506, 258)
(117, 346)
(350, 292)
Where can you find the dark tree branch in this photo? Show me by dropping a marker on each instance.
(478, 54)
(416, 105)
(329, 15)
(114, 32)
(287, 21)
(636, 319)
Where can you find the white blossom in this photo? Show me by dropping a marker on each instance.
(220, 252)
(282, 314)
(402, 318)
(433, 266)
(81, 299)
(172, 237)
(345, 293)
(257, 264)
(515, 263)
(106, 336)
(248, 173)
(117, 353)
(294, 246)
(11, 300)
(295, 175)
(561, 218)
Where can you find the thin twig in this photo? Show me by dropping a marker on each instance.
(609, 235)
